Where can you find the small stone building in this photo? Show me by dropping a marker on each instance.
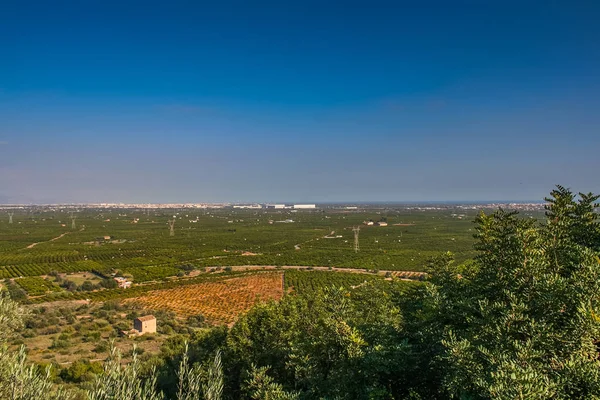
(145, 324)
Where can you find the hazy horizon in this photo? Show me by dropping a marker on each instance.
(140, 102)
(290, 203)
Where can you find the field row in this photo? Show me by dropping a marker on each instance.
(219, 302)
(138, 290)
(311, 281)
(37, 286)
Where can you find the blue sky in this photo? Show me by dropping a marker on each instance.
(189, 101)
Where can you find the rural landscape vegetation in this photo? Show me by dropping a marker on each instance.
(441, 302)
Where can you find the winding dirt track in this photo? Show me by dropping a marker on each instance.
(405, 275)
(32, 245)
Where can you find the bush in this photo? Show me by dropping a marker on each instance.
(16, 293)
(112, 305)
(30, 333)
(93, 336)
(101, 347)
(187, 267)
(69, 285)
(87, 286)
(197, 321)
(51, 330)
(81, 371)
(60, 344)
(109, 283)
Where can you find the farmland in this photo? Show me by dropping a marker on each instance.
(36, 286)
(219, 261)
(311, 281)
(47, 259)
(220, 237)
(233, 279)
(219, 301)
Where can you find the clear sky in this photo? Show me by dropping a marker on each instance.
(185, 101)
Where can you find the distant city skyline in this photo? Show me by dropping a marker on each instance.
(288, 205)
(309, 101)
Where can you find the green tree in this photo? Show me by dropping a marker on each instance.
(12, 316)
(20, 380)
(123, 382)
(520, 322)
(261, 386)
(335, 343)
(87, 286)
(81, 371)
(193, 385)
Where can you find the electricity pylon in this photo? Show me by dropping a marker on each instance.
(10, 215)
(73, 225)
(172, 227)
(356, 231)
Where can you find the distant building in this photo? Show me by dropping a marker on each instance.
(304, 206)
(251, 206)
(382, 223)
(276, 206)
(145, 324)
(122, 282)
(369, 223)
(141, 326)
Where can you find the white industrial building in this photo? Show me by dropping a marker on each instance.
(276, 206)
(251, 206)
(304, 206)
